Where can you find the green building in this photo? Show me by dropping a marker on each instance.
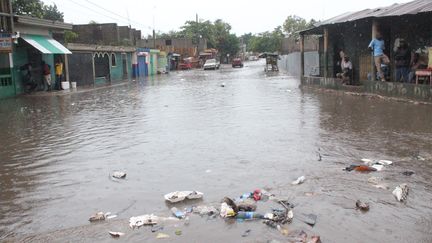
(31, 44)
(95, 65)
(7, 87)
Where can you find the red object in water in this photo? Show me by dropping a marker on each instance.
(364, 168)
(257, 195)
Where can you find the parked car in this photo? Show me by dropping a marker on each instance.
(237, 62)
(211, 64)
(185, 65)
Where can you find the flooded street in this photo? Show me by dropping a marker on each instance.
(183, 131)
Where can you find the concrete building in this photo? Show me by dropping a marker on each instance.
(33, 43)
(94, 65)
(106, 34)
(7, 87)
(352, 33)
(183, 46)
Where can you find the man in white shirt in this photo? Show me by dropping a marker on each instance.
(346, 74)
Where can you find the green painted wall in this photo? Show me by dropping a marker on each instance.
(7, 87)
(117, 70)
(20, 58)
(100, 81)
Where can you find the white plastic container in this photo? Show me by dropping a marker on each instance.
(73, 85)
(65, 85)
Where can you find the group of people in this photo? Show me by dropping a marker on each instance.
(31, 84)
(406, 62)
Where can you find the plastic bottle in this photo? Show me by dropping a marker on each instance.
(179, 214)
(249, 215)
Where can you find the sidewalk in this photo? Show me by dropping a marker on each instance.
(78, 90)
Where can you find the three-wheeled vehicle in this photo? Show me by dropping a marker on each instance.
(271, 61)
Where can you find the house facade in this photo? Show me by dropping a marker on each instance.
(7, 87)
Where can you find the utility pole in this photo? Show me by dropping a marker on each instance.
(11, 17)
(154, 32)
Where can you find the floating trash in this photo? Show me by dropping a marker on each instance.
(205, 210)
(408, 173)
(162, 236)
(148, 219)
(246, 233)
(100, 216)
(177, 213)
(116, 234)
(119, 174)
(401, 192)
(362, 206)
(299, 180)
(179, 196)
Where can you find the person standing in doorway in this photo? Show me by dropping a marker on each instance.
(59, 74)
(46, 71)
(377, 46)
(402, 62)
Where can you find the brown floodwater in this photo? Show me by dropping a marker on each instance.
(183, 131)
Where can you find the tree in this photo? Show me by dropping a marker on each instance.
(293, 24)
(197, 30)
(38, 9)
(52, 13)
(32, 8)
(267, 41)
(230, 44)
(70, 36)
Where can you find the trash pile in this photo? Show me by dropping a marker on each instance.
(369, 165)
(242, 208)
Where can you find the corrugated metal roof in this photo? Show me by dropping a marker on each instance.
(414, 7)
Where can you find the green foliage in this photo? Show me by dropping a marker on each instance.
(217, 34)
(36, 8)
(51, 12)
(70, 36)
(93, 22)
(293, 24)
(267, 41)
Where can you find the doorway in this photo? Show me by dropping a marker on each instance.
(125, 69)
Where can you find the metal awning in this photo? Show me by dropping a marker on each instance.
(45, 44)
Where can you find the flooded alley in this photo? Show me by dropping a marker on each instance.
(184, 131)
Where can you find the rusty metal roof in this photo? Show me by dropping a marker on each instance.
(410, 8)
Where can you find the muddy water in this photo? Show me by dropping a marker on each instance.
(184, 131)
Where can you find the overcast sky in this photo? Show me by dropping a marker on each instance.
(243, 15)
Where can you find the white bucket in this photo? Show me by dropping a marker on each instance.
(73, 85)
(65, 85)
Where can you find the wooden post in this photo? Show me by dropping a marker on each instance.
(326, 42)
(374, 31)
(302, 71)
(66, 66)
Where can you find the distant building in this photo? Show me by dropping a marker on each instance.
(106, 34)
(183, 46)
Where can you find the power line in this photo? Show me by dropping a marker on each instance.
(105, 15)
(116, 14)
